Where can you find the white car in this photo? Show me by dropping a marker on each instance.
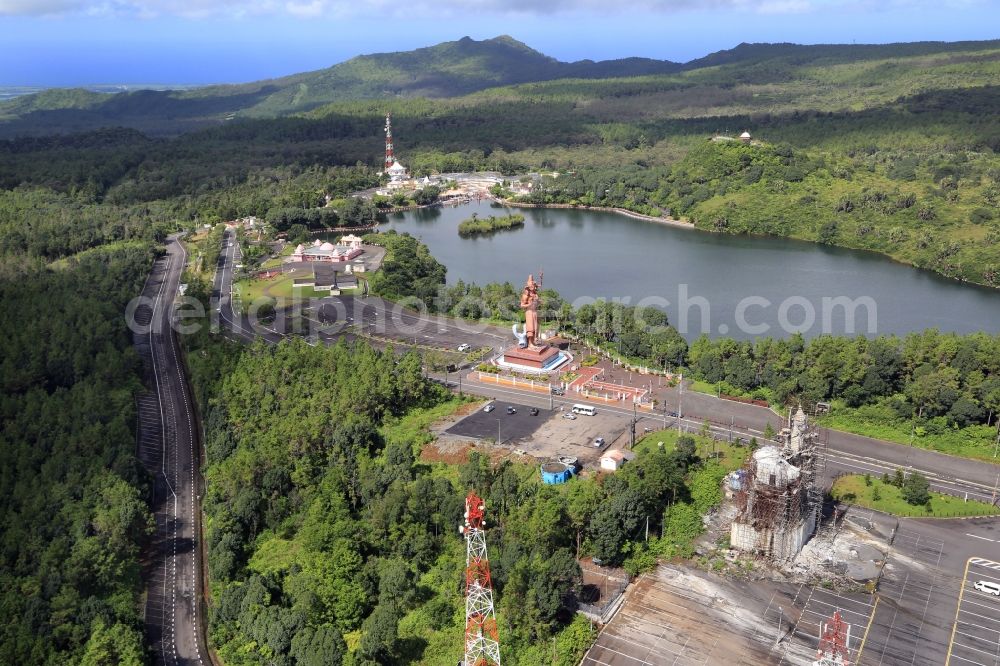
(464, 347)
(987, 587)
(488, 408)
(571, 417)
(599, 442)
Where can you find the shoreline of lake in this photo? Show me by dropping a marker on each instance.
(588, 253)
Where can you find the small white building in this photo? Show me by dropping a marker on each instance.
(613, 459)
(745, 137)
(351, 241)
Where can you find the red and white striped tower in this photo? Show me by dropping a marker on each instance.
(389, 158)
(482, 645)
(834, 639)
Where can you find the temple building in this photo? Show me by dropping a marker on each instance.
(325, 252)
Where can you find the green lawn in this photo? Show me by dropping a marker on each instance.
(702, 387)
(731, 458)
(853, 490)
(977, 442)
(414, 426)
(279, 288)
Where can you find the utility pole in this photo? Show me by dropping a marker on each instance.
(498, 432)
(680, 399)
(635, 420)
(680, 402)
(777, 637)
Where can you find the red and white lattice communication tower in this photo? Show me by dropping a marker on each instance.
(482, 645)
(389, 158)
(834, 637)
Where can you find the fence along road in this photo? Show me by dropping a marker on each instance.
(173, 615)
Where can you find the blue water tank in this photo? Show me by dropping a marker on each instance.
(556, 472)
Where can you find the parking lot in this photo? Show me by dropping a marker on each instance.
(976, 634)
(548, 435)
(499, 425)
(916, 594)
(820, 604)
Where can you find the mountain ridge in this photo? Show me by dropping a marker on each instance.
(448, 69)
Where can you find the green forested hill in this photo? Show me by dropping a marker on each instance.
(747, 77)
(445, 70)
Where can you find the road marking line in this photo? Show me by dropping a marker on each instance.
(871, 618)
(954, 627)
(976, 536)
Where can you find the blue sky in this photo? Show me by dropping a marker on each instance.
(79, 42)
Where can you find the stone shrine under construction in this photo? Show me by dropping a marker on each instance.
(776, 496)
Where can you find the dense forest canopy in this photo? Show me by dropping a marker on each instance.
(73, 497)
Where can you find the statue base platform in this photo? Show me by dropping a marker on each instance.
(543, 359)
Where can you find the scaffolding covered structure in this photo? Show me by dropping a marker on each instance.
(777, 500)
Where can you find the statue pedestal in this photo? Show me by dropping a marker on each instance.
(543, 358)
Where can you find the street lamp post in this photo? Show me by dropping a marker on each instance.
(680, 402)
(498, 432)
(777, 637)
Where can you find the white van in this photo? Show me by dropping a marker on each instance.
(584, 409)
(987, 587)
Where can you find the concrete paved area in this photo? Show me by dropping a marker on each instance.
(682, 617)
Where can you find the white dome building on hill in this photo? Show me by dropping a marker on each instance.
(326, 251)
(396, 172)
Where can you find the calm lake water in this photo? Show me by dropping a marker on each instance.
(721, 285)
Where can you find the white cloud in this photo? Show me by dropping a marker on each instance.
(308, 9)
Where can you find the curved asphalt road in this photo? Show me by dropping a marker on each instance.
(174, 614)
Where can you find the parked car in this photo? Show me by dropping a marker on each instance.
(534, 411)
(489, 408)
(556, 390)
(570, 416)
(464, 347)
(511, 410)
(987, 587)
(599, 442)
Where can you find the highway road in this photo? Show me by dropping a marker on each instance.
(169, 449)
(846, 453)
